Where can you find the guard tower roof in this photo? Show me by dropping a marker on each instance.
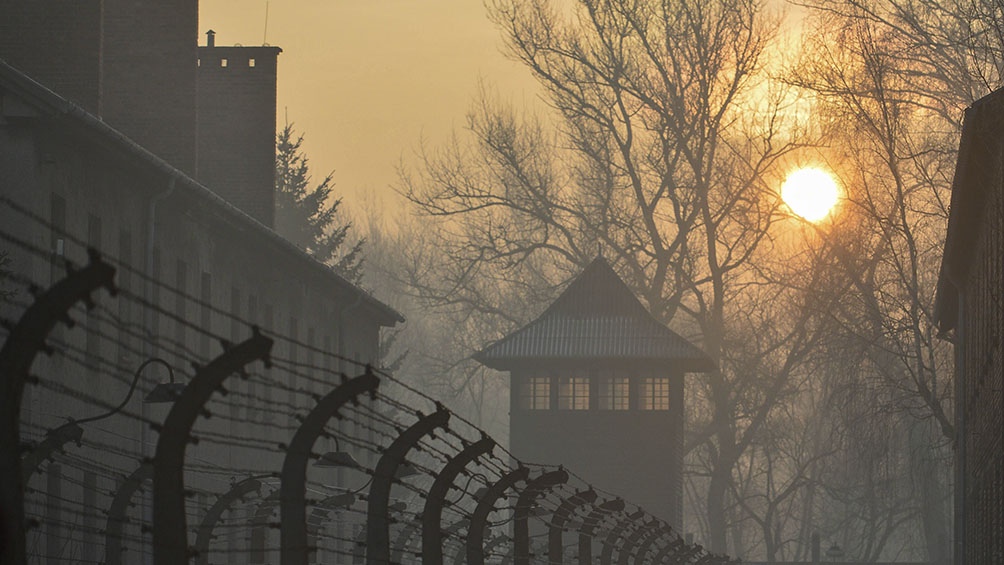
(596, 317)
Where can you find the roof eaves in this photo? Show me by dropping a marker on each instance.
(24, 86)
(965, 203)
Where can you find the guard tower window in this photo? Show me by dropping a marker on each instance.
(251, 62)
(615, 393)
(573, 393)
(535, 394)
(654, 393)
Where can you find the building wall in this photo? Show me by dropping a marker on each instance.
(636, 454)
(132, 62)
(149, 75)
(980, 362)
(105, 199)
(979, 331)
(56, 42)
(236, 103)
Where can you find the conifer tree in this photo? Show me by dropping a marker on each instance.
(308, 215)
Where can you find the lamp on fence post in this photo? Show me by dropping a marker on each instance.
(337, 458)
(56, 438)
(163, 392)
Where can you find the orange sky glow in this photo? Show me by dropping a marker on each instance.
(365, 80)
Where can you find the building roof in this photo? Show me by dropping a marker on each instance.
(973, 178)
(37, 100)
(596, 317)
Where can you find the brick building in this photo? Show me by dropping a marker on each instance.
(597, 385)
(971, 311)
(209, 111)
(236, 125)
(117, 129)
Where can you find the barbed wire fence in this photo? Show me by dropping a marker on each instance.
(262, 448)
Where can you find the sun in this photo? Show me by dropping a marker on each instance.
(811, 193)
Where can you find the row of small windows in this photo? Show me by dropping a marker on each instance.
(612, 393)
(226, 62)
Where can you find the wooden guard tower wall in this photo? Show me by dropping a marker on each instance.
(597, 385)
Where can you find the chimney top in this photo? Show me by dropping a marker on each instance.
(211, 38)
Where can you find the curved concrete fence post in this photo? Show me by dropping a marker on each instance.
(617, 535)
(322, 511)
(479, 520)
(222, 504)
(556, 527)
(432, 533)
(403, 539)
(588, 530)
(671, 550)
(23, 344)
(293, 500)
(377, 518)
(647, 538)
(526, 500)
(260, 525)
(170, 531)
(117, 512)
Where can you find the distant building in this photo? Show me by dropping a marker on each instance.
(118, 131)
(970, 307)
(597, 385)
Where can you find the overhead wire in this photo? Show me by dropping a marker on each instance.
(295, 371)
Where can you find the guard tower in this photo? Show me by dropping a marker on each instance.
(597, 386)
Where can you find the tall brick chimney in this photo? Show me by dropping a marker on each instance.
(236, 125)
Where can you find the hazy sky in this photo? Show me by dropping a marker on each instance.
(364, 80)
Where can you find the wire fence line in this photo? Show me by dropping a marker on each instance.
(293, 454)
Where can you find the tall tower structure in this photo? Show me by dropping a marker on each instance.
(597, 385)
(236, 118)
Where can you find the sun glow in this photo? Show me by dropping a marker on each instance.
(811, 193)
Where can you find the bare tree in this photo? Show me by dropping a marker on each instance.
(660, 151)
(887, 115)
